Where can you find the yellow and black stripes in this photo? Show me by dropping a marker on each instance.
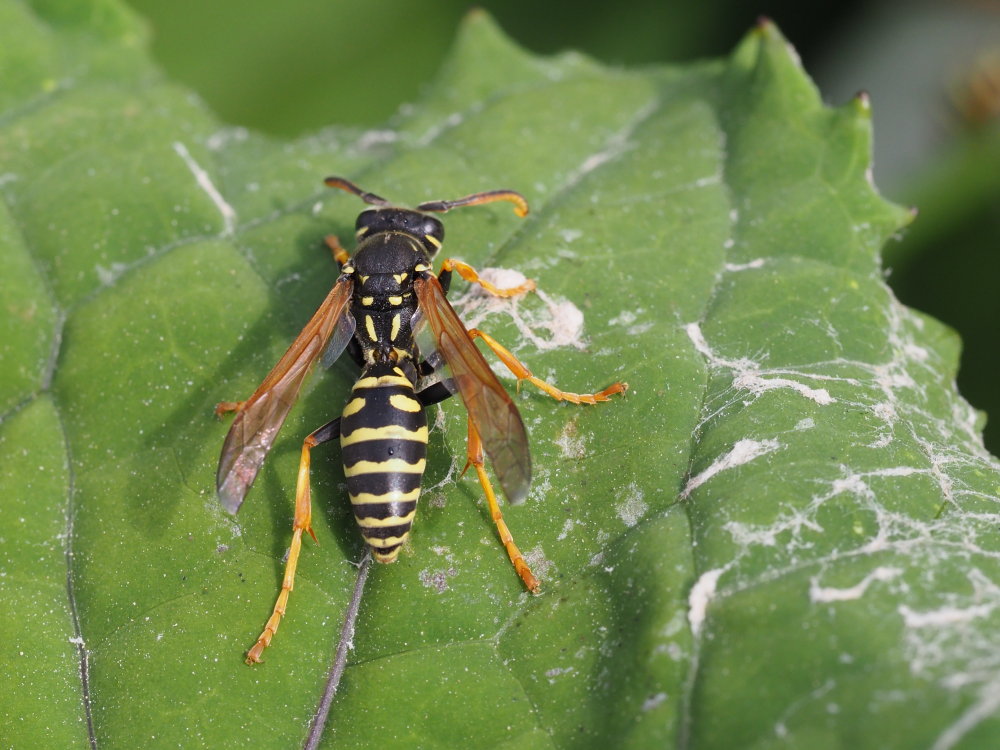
(383, 436)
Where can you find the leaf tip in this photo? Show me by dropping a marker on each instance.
(478, 22)
(862, 103)
(476, 14)
(767, 30)
(765, 25)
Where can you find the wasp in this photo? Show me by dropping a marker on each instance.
(389, 311)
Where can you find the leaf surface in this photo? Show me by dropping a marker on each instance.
(785, 533)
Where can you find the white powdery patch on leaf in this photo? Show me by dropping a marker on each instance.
(571, 443)
(955, 644)
(204, 181)
(614, 146)
(436, 579)
(986, 707)
(742, 452)
(920, 489)
(653, 701)
(557, 324)
(450, 122)
(627, 319)
(702, 594)
(791, 526)
(540, 565)
(633, 507)
(819, 593)
(570, 235)
(737, 267)
(933, 635)
(108, 276)
(223, 138)
(567, 528)
(371, 138)
(749, 376)
(882, 491)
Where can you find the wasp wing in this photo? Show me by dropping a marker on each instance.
(430, 356)
(490, 407)
(342, 334)
(260, 417)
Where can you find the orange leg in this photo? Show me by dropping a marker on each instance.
(523, 373)
(302, 522)
(224, 407)
(475, 459)
(339, 253)
(468, 273)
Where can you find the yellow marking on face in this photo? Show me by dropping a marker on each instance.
(366, 301)
(395, 327)
(395, 465)
(373, 382)
(396, 496)
(381, 523)
(370, 327)
(395, 300)
(354, 406)
(389, 432)
(405, 403)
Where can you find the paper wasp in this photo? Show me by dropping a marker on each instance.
(388, 310)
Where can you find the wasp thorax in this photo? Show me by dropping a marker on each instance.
(387, 253)
(382, 284)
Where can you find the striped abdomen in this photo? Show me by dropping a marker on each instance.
(383, 436)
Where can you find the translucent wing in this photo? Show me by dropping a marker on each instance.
(490, 407)
(429, 353)
(339, 339)
(259, 418)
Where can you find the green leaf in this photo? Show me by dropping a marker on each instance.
(783, 536)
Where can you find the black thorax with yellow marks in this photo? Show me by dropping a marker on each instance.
(383, 303)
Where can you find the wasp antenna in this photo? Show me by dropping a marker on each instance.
(350, 187)
(490, 196)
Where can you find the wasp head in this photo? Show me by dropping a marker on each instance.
(425, 229)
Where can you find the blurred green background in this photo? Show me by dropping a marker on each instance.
(931, 67)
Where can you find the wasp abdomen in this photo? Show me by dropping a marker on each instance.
(383, 435)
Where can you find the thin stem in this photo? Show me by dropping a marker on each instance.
(340, 660)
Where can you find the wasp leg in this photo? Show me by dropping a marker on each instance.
(468, 273)
(475, 459)
(523, 373)
(224, 407)
(339, 253)
(434, 394)
(302, 522)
